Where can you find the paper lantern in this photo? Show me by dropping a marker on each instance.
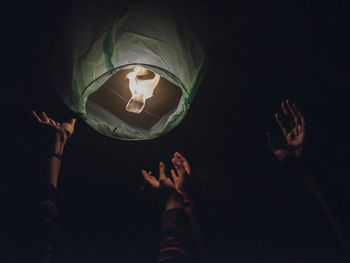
(135, 75)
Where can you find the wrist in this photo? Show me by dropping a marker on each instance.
(185, 196)
(174, 201)
(187, 203)
(57, 155)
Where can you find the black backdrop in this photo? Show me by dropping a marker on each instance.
(250, 208)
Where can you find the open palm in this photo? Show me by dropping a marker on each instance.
(294, 135)
(64, 129)
(177, 182)
(183, 170)
(163, 183)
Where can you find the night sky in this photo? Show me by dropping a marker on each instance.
(250, 208)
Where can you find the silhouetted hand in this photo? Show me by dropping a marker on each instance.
(163, 183)
(63, 130)
(292, 125)
(182, 171)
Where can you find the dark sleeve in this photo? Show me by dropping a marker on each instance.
(46, 218)
(175, 238)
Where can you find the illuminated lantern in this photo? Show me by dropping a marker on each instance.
(135, 76)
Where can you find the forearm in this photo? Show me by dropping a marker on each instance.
(174, 201)
(55, 165)
(314, 188)
(188, 206)
(316, 191)
(55, 161)
(45, 224)
(200, 250)
(175, 238)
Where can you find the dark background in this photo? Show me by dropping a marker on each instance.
(250, 208)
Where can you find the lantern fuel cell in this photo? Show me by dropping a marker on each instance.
(141, 89)
(133, 74)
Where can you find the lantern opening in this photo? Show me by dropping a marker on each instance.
(116, 99)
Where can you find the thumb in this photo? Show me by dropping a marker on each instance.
(161, 171)
(72, 121)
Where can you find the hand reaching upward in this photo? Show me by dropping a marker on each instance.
(163, 183)
(178, 181)
(63, 130)
(294, 133)
(182, 171)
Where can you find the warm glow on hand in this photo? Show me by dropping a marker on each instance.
(183, 170)
(294, 133)
(163, 183)
(63, 130)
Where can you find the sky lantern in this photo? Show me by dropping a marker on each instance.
(134, 74)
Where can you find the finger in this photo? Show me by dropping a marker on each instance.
(293, 112)
(52, 122)
(185, 163)
(72, 121)
(283, 128)
(187, 167)
(176, 162)
(36, 116)
(150, 179)
(161, 171)
(173, 175)
(144, 173)
(180, 169)
(173, 160)
(44, 117)
(285, 108)
(179, 155)
(301, 117)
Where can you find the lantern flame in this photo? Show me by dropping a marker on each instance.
(141, 88)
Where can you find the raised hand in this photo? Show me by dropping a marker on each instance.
(182, 171)
(163, 183)
(63, 130)
(292, 125)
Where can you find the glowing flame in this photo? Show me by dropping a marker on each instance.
(141, 88)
